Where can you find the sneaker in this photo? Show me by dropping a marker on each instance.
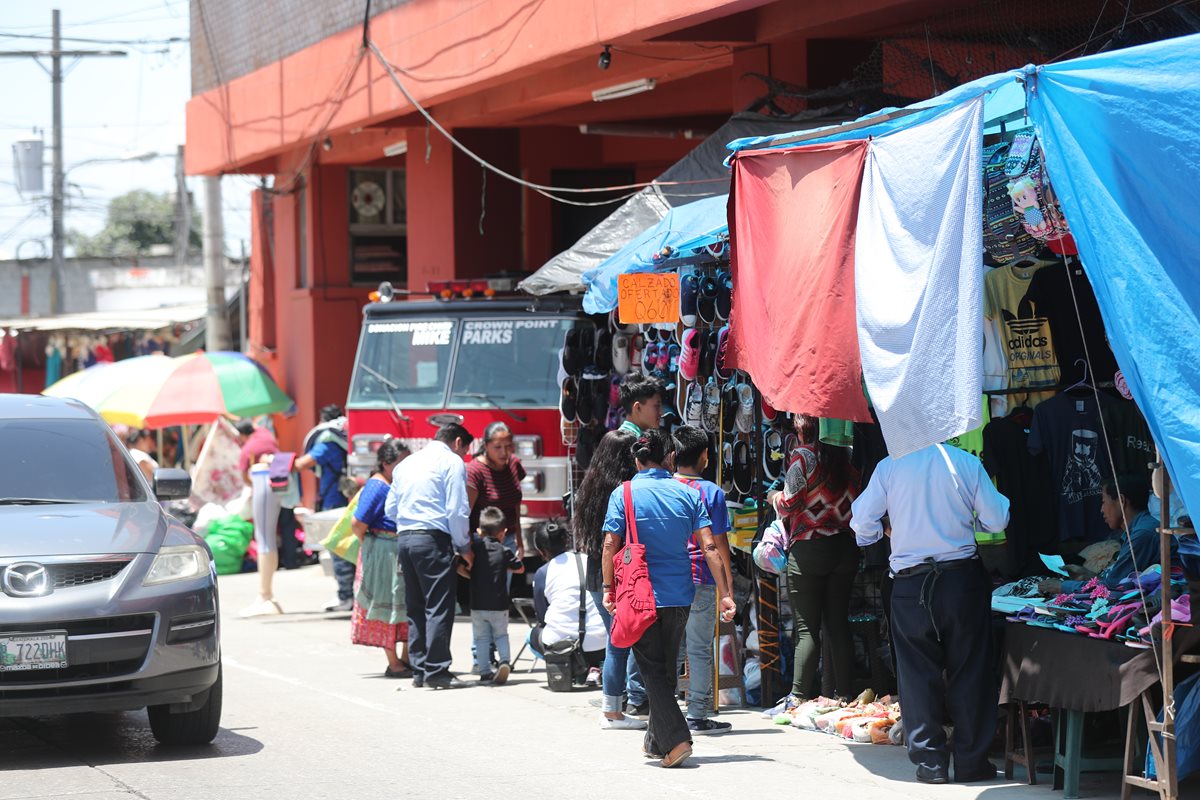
(261, 608)
(707, 727)
(640, 710)
(340, 605)
(593, 677)
(625, 723)
(446, 682)
(487, 677)
(502, 673)
(782, 707)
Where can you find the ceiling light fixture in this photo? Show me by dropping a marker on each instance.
(396, 148)
(624, 90)
(605, 58)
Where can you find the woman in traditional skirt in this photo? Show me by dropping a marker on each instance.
(380, 618)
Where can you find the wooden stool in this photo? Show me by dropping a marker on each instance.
(1017, 714)
(738, 679)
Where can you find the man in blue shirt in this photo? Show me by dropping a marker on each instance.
(691, 459)
(941, 602)
(428, 501)
(1123, 501)
(326, 456)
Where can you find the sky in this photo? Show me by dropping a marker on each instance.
(112, 108)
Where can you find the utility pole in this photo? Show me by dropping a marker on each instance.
(217, 328)
(183, 212)
(56, 72)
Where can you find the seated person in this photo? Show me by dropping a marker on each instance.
(1139, 550)
(556, 592)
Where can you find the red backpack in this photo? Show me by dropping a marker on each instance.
(633, 594)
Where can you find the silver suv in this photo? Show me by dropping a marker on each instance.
(107, 603)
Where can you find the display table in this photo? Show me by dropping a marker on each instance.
(1077, 674)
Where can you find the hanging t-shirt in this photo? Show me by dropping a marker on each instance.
(1067, 429)
(1024, 479)
(1028, 344)
(972, 441)
(1129, 437)
(837, 432)
(1050, 291)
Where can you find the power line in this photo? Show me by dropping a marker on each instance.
(171, 40)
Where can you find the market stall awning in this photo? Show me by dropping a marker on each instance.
(702, 219)
(146, 319)
(699, 174)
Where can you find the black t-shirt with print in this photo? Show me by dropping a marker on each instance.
(1129, 437)
(1050, 292)
(1067, 429)
(489, 574)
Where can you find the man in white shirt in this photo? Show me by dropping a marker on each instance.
(941, 602)
(428, 501)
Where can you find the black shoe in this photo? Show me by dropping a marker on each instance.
(446, 682)
(418, 681)
(985, 772)
(487, 677)
(640, 711)
(403, 672)
(932, 774)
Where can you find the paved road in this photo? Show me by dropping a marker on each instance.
(309, 716)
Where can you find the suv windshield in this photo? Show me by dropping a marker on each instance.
(64, 460)
(512, 363)
(405, 362)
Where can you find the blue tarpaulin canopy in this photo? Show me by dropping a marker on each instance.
(695, 222)
(1122, 148)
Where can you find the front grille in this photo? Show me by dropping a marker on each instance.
(84, 572)
(83, 627)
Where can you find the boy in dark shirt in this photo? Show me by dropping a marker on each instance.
(489, 593)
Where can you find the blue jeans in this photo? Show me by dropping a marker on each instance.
(343, 573)
(489, 628)
(698, 642)
(621, 671)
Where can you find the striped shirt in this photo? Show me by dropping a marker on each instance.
(714, 501)
(497, 487)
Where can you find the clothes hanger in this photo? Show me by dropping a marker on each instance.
(1083, 382)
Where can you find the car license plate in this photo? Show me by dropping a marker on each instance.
(25, 651)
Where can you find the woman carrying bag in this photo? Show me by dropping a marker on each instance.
(655, 516)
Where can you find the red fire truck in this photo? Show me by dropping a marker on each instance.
(477, 353)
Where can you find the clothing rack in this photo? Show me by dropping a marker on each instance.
(1058, 387)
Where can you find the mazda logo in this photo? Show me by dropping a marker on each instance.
(26, 579)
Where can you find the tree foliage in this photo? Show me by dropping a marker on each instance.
(135, 222)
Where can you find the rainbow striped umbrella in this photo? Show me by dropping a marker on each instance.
(156, 391)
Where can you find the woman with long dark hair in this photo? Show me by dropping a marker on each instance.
(823, 557)
(494, 479)
(611, 464)
(667, 514)
(380, 616)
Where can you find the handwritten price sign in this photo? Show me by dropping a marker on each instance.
(648, 297)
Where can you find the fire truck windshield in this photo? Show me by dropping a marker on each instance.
(510, 363)
(413, 355)
(501, 363)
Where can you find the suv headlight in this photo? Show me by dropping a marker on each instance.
(177, 563)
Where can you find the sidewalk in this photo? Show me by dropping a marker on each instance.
(312, 650)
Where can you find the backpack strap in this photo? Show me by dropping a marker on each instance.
(582, 601)
(630, 517)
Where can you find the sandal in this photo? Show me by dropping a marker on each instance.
(669, 762)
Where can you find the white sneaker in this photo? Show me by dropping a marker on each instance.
(261, 608)
(593, 677)
(626, 723)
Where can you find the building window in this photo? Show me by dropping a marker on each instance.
(378, 227)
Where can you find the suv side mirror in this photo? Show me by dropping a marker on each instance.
(172, 483)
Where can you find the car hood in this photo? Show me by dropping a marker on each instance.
(81, 529)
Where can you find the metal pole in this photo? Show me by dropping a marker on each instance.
(1168, 781)
(56, 200)
(242, 281)
(217, 328)
(183, 212)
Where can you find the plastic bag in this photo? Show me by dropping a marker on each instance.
(229, 537)
(341, 539)
(770, 554)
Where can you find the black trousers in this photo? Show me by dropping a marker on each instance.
(657, 654)
(942, 636)
(427, 560)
